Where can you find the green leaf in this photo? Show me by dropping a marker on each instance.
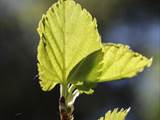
(68, 34)
(87, 70)
(116, 115)
(113, 62)
(85, 87)
(121, 62)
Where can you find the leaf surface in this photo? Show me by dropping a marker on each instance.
(116, 115)
(68, 34)
(87, 70)
(113, 62)
(121, 62)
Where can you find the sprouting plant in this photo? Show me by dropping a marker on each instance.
(71, 54)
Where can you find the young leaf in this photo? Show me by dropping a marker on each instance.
(68, 34)
(87, 70)
(116, 61)
(116, 115)
(121, 62)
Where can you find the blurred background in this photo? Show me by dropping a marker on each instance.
(132, 22)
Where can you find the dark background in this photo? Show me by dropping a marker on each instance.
(132, 22)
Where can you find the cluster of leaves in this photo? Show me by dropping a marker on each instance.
(70, 52)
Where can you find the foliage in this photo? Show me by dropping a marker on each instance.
(68, 37)
(70, 53)
(68, 34)
(115, 115)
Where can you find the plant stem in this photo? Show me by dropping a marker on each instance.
(66, 112)
(65, 109)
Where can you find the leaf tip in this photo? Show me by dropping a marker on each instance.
(128, 109)
(150, 62)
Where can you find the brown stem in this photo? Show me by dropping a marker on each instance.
(66, 112)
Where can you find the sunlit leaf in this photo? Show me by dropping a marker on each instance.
(115, 61)
(121, 62)
(87, 70)
(68, 34)
(116, 115)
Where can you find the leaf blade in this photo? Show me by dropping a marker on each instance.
(113, 62)
(120, 62)
(64, 28)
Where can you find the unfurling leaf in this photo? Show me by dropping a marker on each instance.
(116, 115)
(68, 34)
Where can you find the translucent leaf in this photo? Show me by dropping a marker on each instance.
(121, 62)
(87, 70)
(116, 115)
(68, 34)
(116, 61)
